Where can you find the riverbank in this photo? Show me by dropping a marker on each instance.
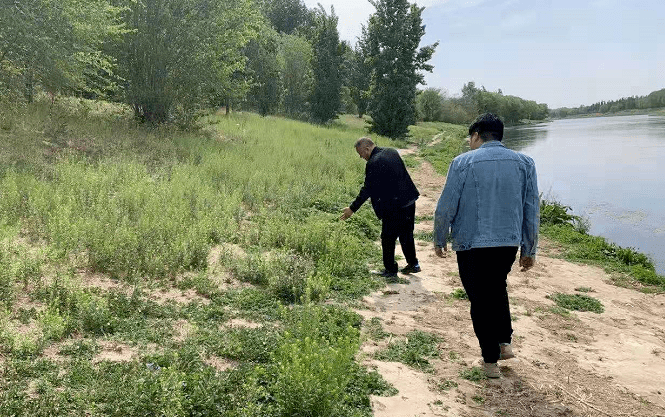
(627, 266)
(633, 112)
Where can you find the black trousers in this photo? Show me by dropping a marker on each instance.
(483, 272)
(398, 224)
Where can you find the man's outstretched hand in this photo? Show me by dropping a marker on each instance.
(526, 262)
(441, 252)
(346, 214)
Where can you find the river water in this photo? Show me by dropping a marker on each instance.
(608, 169)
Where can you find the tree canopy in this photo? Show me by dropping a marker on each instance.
(393, 39)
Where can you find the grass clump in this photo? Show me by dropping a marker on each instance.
(445, 385)
(578, 302)
(459, 294)
(416, 351)
(374, 329)
(473, 374)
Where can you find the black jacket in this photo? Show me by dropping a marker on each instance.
(387, 183)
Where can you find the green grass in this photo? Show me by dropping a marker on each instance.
(416, 350)
(452, 144)
(473, 374)
(459, 294)
(578, 302)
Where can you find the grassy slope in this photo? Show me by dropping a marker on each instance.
(86, 194)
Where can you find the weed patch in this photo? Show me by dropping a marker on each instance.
(415, 351)
(459, 294)
(578, 302)
(474, 374)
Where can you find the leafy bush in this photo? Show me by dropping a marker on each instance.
(553, 213)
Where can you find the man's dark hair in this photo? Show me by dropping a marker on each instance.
(488, 126)
(364, 142)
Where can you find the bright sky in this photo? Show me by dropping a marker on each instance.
(559, 52)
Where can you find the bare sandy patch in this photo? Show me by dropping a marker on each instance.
(241, 323)
(114, 352)
(220, 364)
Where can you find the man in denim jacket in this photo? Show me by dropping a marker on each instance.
(490, 203)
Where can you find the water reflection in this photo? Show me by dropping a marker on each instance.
(518, 138)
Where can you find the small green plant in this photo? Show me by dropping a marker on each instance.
(578, 302)
(445, 385)
(560, 311)
(459, 294)
(474, 374)
(585, 289)
(478, 399)
(415, 351)
(375, 330)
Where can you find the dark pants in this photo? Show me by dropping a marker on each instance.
(398, 224)
(483, 272)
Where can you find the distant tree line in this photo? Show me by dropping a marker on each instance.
(654, 100)
(172, 59)
(434, 105)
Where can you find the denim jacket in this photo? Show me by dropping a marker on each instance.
(490, 199)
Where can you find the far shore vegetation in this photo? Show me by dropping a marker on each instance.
(653, 103)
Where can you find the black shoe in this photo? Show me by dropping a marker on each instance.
(411, 269)
(385, 274)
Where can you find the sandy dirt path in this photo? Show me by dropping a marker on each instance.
(588, 364)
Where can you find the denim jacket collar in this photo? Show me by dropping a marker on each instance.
(492, 143)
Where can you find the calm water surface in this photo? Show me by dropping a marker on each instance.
(609, 169)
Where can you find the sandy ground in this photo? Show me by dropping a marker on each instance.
(588, 364)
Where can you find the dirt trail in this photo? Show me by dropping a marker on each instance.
(609, 364)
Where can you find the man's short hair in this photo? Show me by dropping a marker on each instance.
(489, 126)
(364, 142)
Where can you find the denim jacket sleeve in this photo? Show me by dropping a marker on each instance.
(448, 204)
(531, 216)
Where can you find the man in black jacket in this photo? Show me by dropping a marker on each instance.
(394, 196)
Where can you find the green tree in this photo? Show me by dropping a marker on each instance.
(296, 54)
(286, 16)
(394, 34)
(326, 68)
(56, 45)
(360, 76)
(181, 55)
(429, 105)
(469, 97)
(264, 68)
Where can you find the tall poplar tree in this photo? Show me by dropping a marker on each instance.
(394, 34)
(361, 75)
(326, 68)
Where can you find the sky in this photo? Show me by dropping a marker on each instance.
(560, 52)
